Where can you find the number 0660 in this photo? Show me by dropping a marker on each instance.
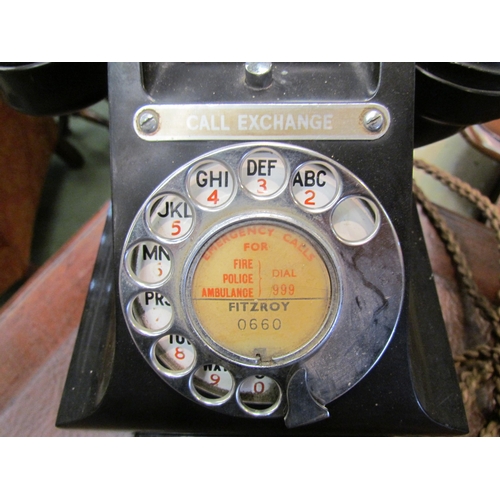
(264, 324)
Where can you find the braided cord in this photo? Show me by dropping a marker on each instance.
(480, 366)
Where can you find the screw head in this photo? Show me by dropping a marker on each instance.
(258, 74)
(148, 121)
(373, 120)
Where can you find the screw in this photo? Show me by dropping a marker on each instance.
(373, 120)
(258, 74)
(148, 121)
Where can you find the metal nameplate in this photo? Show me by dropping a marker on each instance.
(285, 121)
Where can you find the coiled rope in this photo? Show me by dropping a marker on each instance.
(478, 367)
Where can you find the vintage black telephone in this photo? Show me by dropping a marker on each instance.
(265, 273)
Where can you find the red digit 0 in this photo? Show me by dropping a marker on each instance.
(258, 387)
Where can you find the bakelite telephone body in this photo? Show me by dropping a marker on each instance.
(264, 272)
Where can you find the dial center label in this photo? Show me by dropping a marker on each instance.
(262, 291)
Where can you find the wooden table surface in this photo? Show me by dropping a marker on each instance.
(38, 326)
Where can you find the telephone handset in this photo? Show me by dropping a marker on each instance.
(262, 280)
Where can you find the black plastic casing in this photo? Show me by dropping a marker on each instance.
(412, 390)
